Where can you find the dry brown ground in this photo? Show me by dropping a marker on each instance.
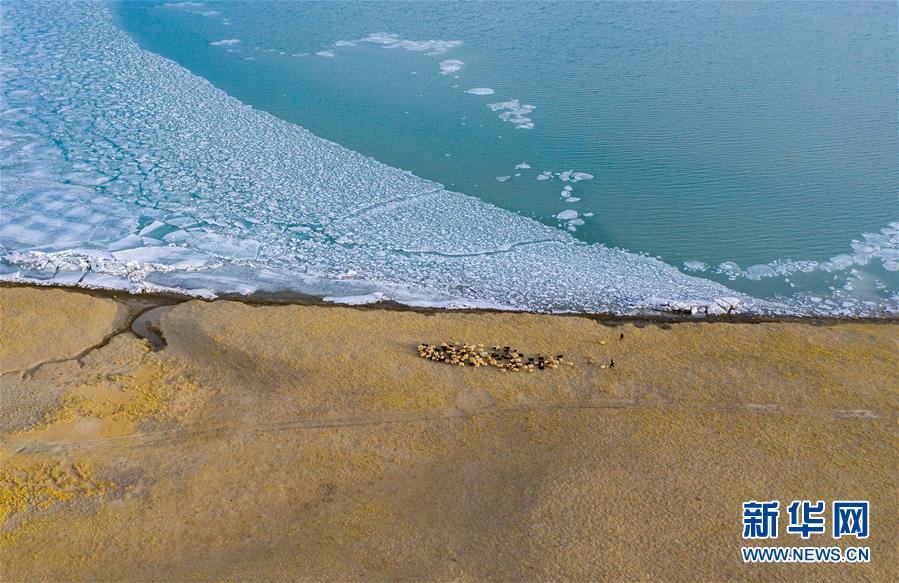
(300, 442)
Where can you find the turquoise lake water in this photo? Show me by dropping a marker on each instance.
(750, 144)
(715, 132)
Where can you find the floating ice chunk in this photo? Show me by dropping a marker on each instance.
(891, 265)
(838, 263)
(695, 266)
(890, 254)
(729, 268)
(567, 215)
(515, 112)
(383, 38)
(394, 41)
(572, 199)
(574, 224)
(503, 178)
(326, 53)
(572, 176)
(225, 42)
(567, 188)
(480, 91)
(545, 175)
(757, 272)
(522, 166)
(450, 66)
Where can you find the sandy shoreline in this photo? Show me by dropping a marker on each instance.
(257, 440)
(298, 299)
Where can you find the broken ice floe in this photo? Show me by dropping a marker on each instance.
(394, 41)
(882, 246)
(450, 66)
(515, 112)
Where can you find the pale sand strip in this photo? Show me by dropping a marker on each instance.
(311, 442)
